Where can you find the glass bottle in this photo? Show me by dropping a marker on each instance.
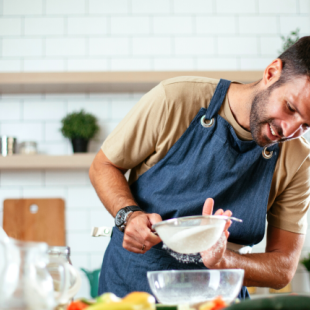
(25, 282)
(59, 254)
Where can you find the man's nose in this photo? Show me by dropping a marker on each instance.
(290, 128)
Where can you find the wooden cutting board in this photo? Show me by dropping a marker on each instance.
(35, 220)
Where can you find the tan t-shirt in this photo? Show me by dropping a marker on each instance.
(160, 118)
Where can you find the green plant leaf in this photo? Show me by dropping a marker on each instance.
(288, 41)
(79, 125)
(306, 262)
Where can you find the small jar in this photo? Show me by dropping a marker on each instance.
(28, 148)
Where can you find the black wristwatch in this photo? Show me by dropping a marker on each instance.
(122, 214)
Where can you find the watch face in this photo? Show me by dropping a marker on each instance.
(120, 217)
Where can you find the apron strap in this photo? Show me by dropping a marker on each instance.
(218, 98)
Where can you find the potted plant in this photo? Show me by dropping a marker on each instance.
(79, 127)
(288, 41)
(306, 262)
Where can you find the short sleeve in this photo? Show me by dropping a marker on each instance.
(135, 137)
(289, 210)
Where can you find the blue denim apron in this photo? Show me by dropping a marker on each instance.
(204, 162)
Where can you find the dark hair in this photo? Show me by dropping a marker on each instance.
(296, 61)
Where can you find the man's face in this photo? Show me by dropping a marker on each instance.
(282, 113)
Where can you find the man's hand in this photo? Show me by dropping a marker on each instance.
(214, 255)
(138, 234)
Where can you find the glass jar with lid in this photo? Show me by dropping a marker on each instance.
(28, 148)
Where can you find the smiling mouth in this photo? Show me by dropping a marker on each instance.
(274, 134)
(272, 131)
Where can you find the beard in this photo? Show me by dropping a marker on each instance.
(258, 119)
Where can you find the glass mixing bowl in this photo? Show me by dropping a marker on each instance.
(174, 287)
(192, 234)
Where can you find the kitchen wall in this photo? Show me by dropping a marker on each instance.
(120, 35)
(78, 35)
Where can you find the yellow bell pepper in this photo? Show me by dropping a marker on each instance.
(108, 298)
(140, 298)
(112, 306)
(133, 301)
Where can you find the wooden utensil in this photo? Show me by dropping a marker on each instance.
(35, 220)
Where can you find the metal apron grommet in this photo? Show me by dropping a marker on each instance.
(265, 154)
(204, 124)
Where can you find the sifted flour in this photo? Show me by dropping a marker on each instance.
(190, 239)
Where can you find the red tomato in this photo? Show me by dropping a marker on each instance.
(77, 305)
(219, 303)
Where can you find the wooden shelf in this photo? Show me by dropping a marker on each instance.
(104, 82)
(48, 162)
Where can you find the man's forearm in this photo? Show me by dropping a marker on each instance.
(110, 184)
(262, 269)
(275, 268)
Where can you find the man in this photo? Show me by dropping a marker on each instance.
(191, 138)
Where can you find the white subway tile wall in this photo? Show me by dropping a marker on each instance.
(173, 25)
(68, 7)
(239, 46)
(288, 22)
(53, 148)
(188, 45)
(216, 25)
(93, 64)
(218, 63)
(44, 26)
(106, 46)
(22, 47)
(173, 64)
(277, 6)
(250, 63)
(152, 7)
(87, 25)
(132, 64)
(10, 65)
(258, 25)
(304, 6)
(10, 110)
(10, 27)
(64, 46)
(44, 65)
(22, 7)
(236, 7)
(91, 35)
(120, 35)
(23, 130)
(135, 25)
(109, 7)
(193, 7)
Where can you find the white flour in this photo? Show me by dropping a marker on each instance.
(196, 258)
(191, 239)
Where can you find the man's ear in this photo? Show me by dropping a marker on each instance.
(272, 72)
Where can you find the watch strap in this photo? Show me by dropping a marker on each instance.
(127, 210)
(133, 208)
